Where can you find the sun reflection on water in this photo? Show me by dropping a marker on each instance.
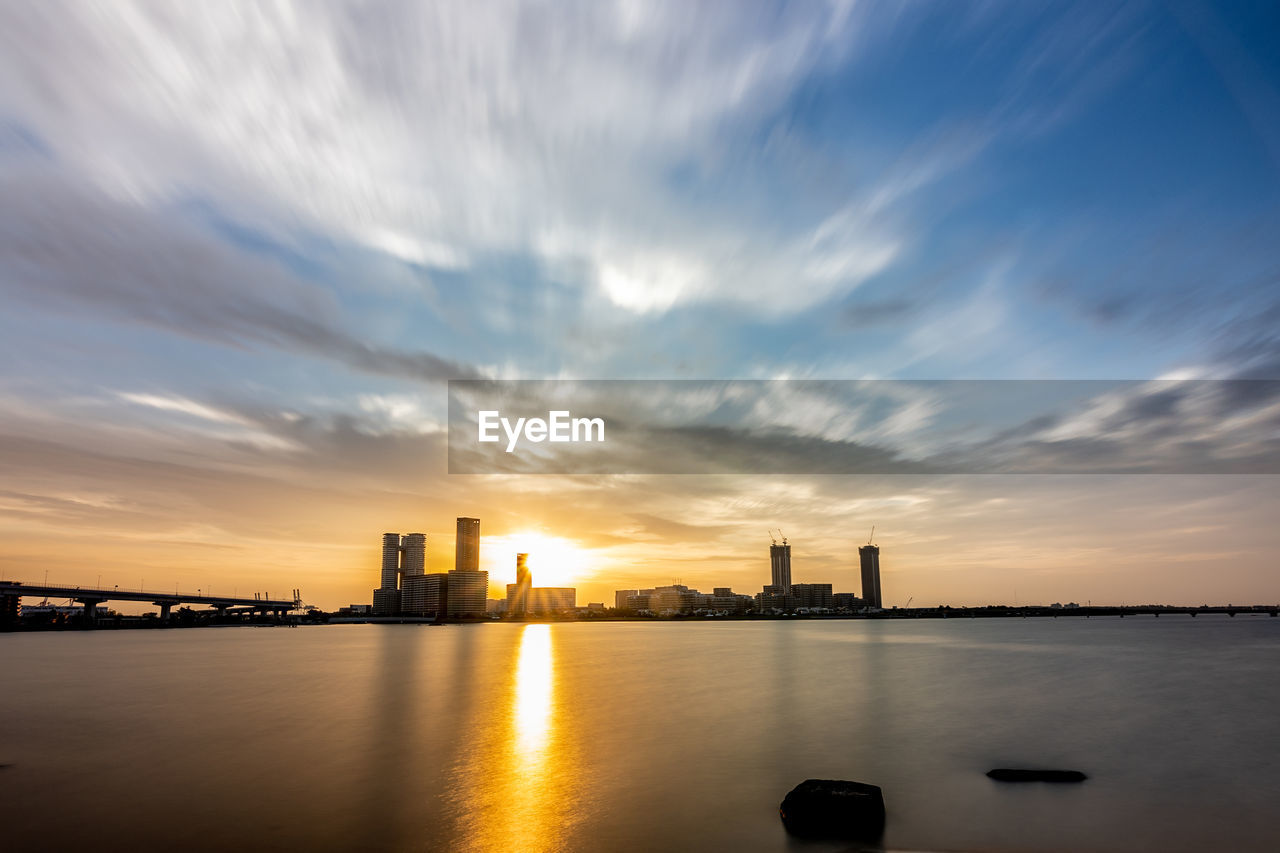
(521, 789)
(532, 689)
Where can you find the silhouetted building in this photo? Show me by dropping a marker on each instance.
(869, 557)
(774, 597)
(636, 599)
(813, 595)
(425, 595)
(677, 599)
(552, 599)
(467, 548)
(386, 598)
(386, 602)
(543, 599)
(467, 593)
(518, 592)
(725, 600)
(400, 557)
(413, 554)
(780, 565)
(846, 601)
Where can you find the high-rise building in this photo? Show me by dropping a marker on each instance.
(780, 565)
(467, 550)
(425, 595)
(467, 593)
(386, 598)
(413, 554)
(620, 598)
(390, 560)
(869, 557)
(400, 557)
(518, 593)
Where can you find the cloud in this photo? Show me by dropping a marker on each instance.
(882, 427)
(69, 247)
(182, 405)
(443, 133)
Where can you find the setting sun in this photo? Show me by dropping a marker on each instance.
(553, 561)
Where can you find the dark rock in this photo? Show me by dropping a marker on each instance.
(833, 808)
(1004, 774)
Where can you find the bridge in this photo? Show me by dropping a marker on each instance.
(91, 598)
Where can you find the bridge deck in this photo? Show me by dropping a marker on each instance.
(81, 593)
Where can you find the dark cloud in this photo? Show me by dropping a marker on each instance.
(825, 427)
(862, 315)
(80, 251)
(666, 528)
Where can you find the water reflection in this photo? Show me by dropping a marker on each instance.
(522, 782)
(532, 703)
(529, 822)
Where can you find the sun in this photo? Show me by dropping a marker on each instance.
(553, 561)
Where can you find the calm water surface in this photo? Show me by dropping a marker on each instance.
(641, 736)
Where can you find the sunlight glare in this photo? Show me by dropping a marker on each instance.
(553, 561)
(532, 707)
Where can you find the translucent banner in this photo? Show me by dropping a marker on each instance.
(864, 427)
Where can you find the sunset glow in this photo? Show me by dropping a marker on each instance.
(532, 706)
(553, 561)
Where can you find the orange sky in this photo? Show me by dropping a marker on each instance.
(177, 510)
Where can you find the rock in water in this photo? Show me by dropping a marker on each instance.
(1005, 774)
(833, 808)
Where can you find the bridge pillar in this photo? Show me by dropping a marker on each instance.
(11, 606)
(90, 609)
(165, 607)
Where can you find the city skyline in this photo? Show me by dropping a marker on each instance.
(406, 590)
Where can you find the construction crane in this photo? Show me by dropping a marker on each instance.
(909, 600)
(783, 535)
(775, 541)
(873, 534)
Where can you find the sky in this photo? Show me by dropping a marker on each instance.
(244, 247)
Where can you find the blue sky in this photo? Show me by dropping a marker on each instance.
(258, 239)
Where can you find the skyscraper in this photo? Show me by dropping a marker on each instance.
(467, 593)
(869, 556)
(780, 564)
(425, 595)
(518, 593)
(405, 557)
(390, 560)
(386, 598)
(413, 554)
(467, 549)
